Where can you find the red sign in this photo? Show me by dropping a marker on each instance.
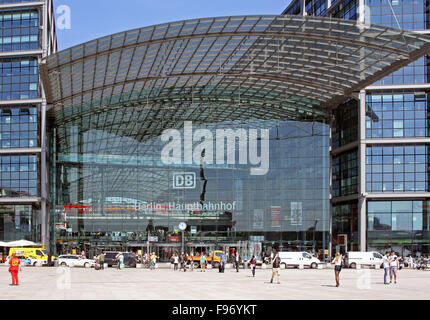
(77, 208)
(173, 239)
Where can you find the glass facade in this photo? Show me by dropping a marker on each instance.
(19, 78)
(401, 225)
(345, 127)
(19, 222)
(345, 174)
(295, 9)
(397, 115)
(397, 168)
(19, 30)
(346, 10)
(114, 190)
(402, 14)
(315, 7)
(19, 176)
(19, 127)
(345, 222)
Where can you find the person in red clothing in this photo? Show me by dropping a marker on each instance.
(14, 268)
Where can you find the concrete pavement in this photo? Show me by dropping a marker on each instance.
(165, 284)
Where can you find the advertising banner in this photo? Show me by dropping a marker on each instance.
(258, 222)
(296, 214)
(275, 213)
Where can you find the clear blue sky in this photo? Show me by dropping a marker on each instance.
(91, 19)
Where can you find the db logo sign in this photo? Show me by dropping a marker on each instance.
(184, 180)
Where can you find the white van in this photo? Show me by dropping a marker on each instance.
(298, 258)
(353, 258)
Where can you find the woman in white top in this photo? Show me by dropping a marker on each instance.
(337, 267)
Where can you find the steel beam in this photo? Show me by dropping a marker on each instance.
(362, 217)
(399, 87)
(26, 53)
(397, 141)
(18, 5)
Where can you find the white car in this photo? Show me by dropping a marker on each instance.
(72, 260)
(296, 259)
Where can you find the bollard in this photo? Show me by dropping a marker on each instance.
(320, 266)
(301, 267)
(105, 265)
(208, 266)
(138, 265)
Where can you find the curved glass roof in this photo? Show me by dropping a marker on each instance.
(227, 68)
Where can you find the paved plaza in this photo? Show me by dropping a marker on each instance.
(166, 284)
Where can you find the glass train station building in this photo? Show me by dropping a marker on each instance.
(302, 131)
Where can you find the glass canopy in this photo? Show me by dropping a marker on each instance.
(219, 69)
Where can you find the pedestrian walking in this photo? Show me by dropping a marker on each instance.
(14, 264)
(253, 265)
(101, 259)
(222, 263)
(153, 260)
(202, 262)
(276, 265)
(120, 258)
(386, 264)
(175, 261)
(338, 260)
(411, 262)
(237, 261)
(394, 266)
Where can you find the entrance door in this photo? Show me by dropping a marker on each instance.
(166, 251)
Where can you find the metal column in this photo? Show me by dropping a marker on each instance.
(43, 168)
(362, 216)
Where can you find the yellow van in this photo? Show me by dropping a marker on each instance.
(34, 253)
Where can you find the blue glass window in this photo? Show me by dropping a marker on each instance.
(19, 79)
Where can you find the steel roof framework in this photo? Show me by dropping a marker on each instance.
(246, 68)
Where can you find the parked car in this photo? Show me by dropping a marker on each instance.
(353, 258)
(298, 258)
(75, 261)
(130, 259)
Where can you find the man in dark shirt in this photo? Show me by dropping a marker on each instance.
(276, 265)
